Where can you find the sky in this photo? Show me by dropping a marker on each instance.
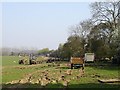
(0, 37)
(40, 24)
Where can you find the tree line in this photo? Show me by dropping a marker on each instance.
(99, 34)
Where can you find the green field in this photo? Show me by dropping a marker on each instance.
(12, 72)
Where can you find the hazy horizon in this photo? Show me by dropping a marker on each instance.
(40, 25)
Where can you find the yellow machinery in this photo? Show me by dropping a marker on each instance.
(76, 62)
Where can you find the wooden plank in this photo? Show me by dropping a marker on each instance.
(109, 80)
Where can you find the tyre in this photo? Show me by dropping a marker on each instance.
(71, 66)
(19, 62)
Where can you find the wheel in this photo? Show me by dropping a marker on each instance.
(82, 67)
(30, 62)
(71, 66)
(19, 62)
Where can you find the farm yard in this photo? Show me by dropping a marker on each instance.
(55, 75)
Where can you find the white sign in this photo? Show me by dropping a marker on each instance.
(89, 57)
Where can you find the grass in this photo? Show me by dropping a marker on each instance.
(11, 71)
(9, 60)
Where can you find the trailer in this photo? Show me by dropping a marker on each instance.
(76, 62)
(89, 57)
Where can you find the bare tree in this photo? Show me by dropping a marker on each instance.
(109, 13)
(82, 29)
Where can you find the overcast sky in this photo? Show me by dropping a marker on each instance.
(41, 24)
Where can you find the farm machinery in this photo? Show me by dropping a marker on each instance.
(25, 59)
(80, 62)
(76, 62)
